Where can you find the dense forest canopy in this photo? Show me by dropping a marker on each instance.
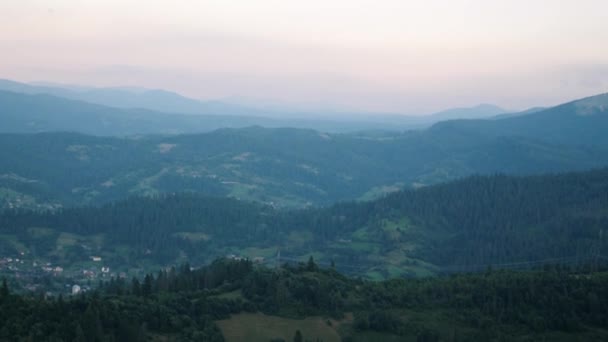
(367, 236)
(184, 304)
(322, 171)
(463, 225)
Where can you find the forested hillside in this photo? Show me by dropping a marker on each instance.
(464, 225)
(214, 302)
(578, 123)
(286, 167)
(282, 167)
(482, 220)
(303, 171)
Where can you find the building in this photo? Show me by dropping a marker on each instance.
(76, 289)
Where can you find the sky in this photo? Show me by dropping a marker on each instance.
(398, 56)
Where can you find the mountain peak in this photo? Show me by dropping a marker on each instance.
(479, 111)
(592, 105)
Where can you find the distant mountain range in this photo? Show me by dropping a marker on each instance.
(288, 166)
(482, 111)
(160, 111)
(582, 122)
(124, 97)
(22, 113)
(142, 151)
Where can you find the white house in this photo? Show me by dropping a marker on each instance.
(76, 289)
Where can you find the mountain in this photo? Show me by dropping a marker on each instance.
(128, 98)
(23, 113)
(26, 113)
(419, 122)
(280, 166)
(219, 114)
(582, 123)
(478, 112)
(235, 300)
(283, 167)
(464, 225)
(514, 114)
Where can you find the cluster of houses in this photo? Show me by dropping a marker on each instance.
(24, 270)
(12, 264)
(27, 271)
(255, 260)
(49, 268)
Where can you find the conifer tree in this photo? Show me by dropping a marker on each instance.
(298, 337)
(4, 289)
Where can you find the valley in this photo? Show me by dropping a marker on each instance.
(303, 171)
(466, 225)
(271, 232)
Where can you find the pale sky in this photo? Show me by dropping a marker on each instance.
(407, 56)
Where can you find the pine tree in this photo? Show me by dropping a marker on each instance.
(146, 288)
(92, 326)
(311, 266)
(80, 337)
(4, 292)
(135, 287)
(298, 337)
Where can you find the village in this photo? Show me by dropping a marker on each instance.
(38, 276)
(35, 275)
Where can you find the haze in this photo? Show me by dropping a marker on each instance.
(410, 57)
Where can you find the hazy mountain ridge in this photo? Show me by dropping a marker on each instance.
(129, 98)
(282, 166)
(46, 113)
(287, 167)
(478, 112)
(581, 122)
(212, 114)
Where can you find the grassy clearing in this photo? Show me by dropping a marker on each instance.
(379, 191)
(403, 224)
(300, 237)
(97, 241)
(92, 242)
(66, 240)
(374, 275)
(261, 328)
(14, 241)
(287, 201)
(146, 186)
(242, 191)
(362, 234)
(365, 247)
(39, 232)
